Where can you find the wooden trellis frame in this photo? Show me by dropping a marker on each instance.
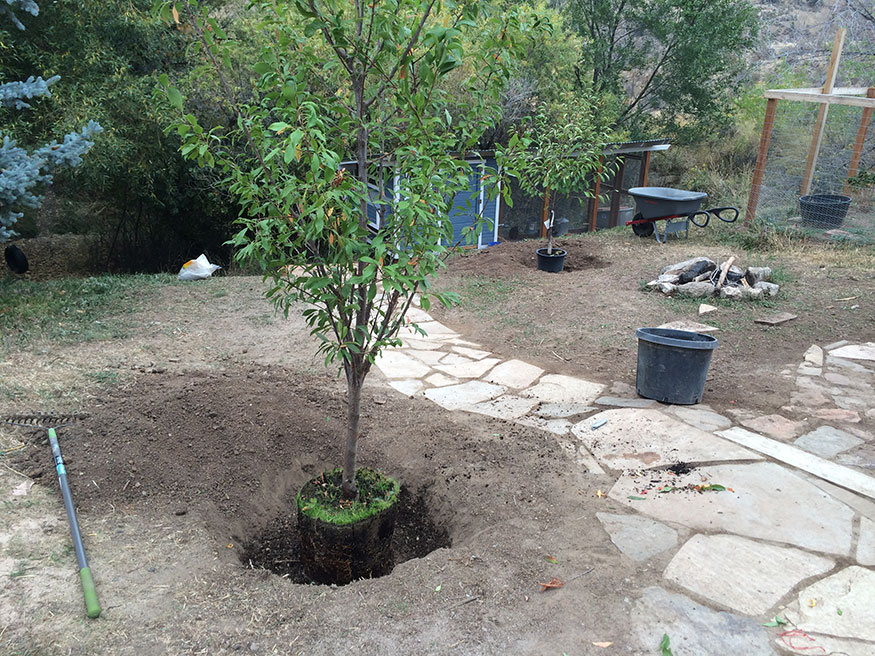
(826, 95)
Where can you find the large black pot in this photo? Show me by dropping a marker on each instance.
(824, 211)
(673, 364)
(551, 263)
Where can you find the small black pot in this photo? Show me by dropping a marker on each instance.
(552, 263)
(824, 211)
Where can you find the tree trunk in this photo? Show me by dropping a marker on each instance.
(544, 216)
(353, 412)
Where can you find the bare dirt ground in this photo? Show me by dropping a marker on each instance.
(206, 419)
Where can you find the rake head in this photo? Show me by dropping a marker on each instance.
(42, 421)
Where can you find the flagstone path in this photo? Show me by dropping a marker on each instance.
(778, 510)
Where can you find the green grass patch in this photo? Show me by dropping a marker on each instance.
(322, 498)
(71, 310)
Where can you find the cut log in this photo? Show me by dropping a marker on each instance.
(724, 270)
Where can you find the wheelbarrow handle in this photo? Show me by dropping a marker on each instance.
(727, 214)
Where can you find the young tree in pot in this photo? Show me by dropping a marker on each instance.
(359, 81)
(563, 155)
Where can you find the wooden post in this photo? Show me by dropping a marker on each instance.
(760, 168)
(595, 199)
(828, 85)
(861, 138)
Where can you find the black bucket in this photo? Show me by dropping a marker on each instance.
(552, 263)
(673, 364)
(824, 210)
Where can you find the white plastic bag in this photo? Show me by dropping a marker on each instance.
(198, 269)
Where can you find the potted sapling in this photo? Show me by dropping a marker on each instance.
(307, 219)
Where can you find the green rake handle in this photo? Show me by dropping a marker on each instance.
(92, 606)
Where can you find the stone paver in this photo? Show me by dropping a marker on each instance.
(428, 357)
(855, 351)
(564, 409)
(555, 388)
(747, 576)
(690, 326)
(395, 364)
(837, 414)
(455, 397)
(703, 419)
(768, 502)
(866, 543)
(632, 439)
(407, 387)
(851, 591)
(470, 369)
(555, 426)
(455, 358)
(515, 374)
(838, 474)
(835, 345)
(694, 630)
(827, 441)
(504, 407)
(846, 365)
(439, 380)
(618, 402)
(775, 426)
(638, 537)
(475, 354)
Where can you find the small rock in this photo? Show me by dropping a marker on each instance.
(752, 293)
(814, 356)
(668, 277)
(179, 512)
(696, 289)
(776, 319)
(755, 275)
(769, 288)
(704, 308)
(667, 288)
(730, 292)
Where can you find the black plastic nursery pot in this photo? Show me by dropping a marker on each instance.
(825, 211)
(341, 553)
(552, 262)
(673, 364)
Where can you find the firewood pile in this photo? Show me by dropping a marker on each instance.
(701, 277)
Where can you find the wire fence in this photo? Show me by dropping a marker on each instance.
(832, 205)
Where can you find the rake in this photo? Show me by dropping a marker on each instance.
(49, 423)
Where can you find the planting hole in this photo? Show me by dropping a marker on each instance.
(277, 547)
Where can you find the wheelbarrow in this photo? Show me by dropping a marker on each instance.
(667, 204)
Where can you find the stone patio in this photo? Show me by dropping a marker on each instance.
(756, 516)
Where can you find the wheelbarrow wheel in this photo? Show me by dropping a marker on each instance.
(641, 229)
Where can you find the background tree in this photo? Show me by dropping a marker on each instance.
(674, 63)
(23, 173)
(305, 217)
(146, 206)
(566, 140)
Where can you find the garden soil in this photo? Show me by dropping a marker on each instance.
(207, 417)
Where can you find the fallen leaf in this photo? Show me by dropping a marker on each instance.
(839, 611)
(599, 494)
(438, 588)
(634, 498)
(552, 583)
(778, 621)
(665, 646)
(552, 559)
(603, 644)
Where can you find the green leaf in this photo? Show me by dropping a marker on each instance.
(665, 646)
(778, 621)
(634, 498)
(174, 97)
(438, 588)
